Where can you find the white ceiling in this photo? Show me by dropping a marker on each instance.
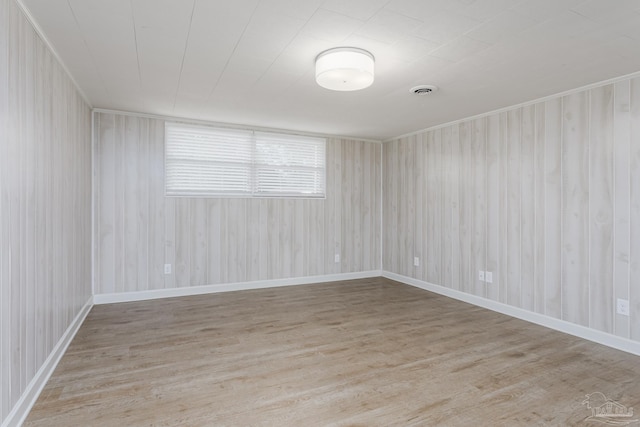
(251, 62)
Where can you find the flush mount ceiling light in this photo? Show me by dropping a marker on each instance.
(344, 69)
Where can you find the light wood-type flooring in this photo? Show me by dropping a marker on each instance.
(358, 353)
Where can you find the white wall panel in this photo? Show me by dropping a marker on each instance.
(445, 211)
(514, 232)
(503, 212)
(575, 208)
(456, 247)
(432, 245)
(467, 280)
(212, 241)
(45, 204)
(527, 209)
(539, 206)
(545, 196)
(552, 147)
(478, 203)
(601, 206)
(390, 158)
(622, 197)
(493, 205)
(634, 225)
(408, 209)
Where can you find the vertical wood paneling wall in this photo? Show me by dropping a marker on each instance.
(223, 240)
(545, 196)
(45, 204)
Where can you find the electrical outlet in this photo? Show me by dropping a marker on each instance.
(337, 258)
(416, 261)
(481, 276)
(167, 269)
(622, 307)
(488, 276)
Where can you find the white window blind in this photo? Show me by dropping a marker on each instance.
(201, 161)
(288, 165)
(206, 161)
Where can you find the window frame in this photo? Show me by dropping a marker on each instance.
(320, 166)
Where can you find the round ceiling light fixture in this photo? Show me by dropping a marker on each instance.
(345, 69)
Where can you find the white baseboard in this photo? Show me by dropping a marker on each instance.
(228, 287)
(599, 337)
(22, 407)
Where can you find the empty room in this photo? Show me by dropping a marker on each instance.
(319, 213)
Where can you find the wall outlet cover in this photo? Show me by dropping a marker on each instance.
(622, 306)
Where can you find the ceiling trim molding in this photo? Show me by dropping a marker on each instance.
(523, 104)
(34, 24)
(230, 125)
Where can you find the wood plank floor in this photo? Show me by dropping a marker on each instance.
(359, 353)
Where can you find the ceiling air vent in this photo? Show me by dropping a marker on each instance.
(423, 89)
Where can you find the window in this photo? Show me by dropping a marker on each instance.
(203, 161)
